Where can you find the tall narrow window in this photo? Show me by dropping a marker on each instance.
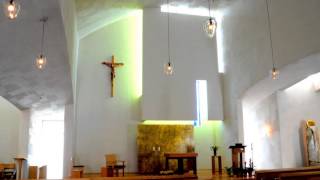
(202, 102)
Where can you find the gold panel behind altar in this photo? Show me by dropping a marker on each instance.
(155, 140)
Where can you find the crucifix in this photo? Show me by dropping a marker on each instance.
(112, 65)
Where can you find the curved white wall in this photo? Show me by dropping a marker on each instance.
(267, 105)
(246, 45)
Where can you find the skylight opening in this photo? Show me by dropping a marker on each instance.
(220, 46)
(185, 9)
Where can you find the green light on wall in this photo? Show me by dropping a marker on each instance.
(210, 128)
(136, 36)
(139, 49)
(167, 122)
(214, 124)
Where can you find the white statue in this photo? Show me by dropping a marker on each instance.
(312, 133)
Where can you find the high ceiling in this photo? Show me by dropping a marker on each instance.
(20, 82)
(94, 14)
(24, 85)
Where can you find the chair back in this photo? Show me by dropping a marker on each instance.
(7, 166)
(111, 159)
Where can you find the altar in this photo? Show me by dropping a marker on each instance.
(180, 157)
(154, 143)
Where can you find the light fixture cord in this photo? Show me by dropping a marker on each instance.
(168, 31)
(44, 20)
(270, 35)
(209, 8)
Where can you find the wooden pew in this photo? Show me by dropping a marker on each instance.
(313, 175)
(285, 173)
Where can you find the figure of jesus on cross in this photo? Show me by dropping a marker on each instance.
(112, 65)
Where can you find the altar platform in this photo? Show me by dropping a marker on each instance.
(202, 175)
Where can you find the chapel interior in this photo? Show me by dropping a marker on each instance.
(160, 89)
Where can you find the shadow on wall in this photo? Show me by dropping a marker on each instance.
(264, 116)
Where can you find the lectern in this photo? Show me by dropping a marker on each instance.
(237, 155)
(19, 161)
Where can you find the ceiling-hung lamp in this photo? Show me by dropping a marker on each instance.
(168, 67)
(274, 71)
(41, 60)
(11, 8)
(210, 25)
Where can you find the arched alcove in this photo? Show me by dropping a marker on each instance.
(259, 124)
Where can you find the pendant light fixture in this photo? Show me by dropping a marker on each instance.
(168, 67)
(210, 25)
(11, 8)
(41, 60)
(274, 71)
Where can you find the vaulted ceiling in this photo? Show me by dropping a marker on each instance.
(21, 82)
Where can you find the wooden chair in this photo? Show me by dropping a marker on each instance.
(8, 171)
(77, 171)
(43, 172)
(38, 172)
(114, 165)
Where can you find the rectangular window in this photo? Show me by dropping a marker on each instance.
(202, 102)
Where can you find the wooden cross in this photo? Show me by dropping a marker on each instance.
(112, 65)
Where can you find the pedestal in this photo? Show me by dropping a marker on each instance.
(110, 172)
(19, 167)
(213, 161)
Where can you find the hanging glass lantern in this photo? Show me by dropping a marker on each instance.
(11, 9)
(275, 73)
(210, 27)
(168, 69)
(41, 61)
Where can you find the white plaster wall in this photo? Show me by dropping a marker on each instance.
(262, 131)
(266, 88)
(69, 137)
(68, 13)
(24, 133)
(104, 124)
(296, 103)
(246, 48)
(194, 57)
(10, 121)
(23, 147)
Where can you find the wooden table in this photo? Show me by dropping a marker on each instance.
(180, 157)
